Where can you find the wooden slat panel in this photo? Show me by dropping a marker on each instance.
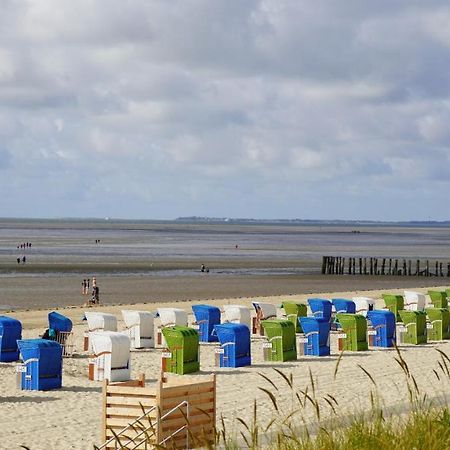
(207, 410)
(132, 401)
(129, 412)
(183, 391)
(174, 424)
(192, 399)
(130, 390)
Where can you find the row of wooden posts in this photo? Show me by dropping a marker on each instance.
(340, 265)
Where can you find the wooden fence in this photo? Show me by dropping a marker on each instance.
(339, 265)
(123, 403)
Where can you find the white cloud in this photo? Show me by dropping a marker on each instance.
(262, 105)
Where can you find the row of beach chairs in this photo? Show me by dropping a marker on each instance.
(356, 321)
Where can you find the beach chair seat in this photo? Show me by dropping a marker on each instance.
(10, 333)
(383, 322)
(263, 311)
(140, 328)
(237, 314)
(42, 362)
(394, 303)
(440, 324)
(415, 323)
(438, 299)
(281, 335)
(183, 344)
(317, 331)
(293, 312)
(206, 317)
(414, 301)
(234, 339)
(363, 305)
(320, 308)
(110, 359)
(355, 328)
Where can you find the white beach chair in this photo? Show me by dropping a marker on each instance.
(363, 305)
(173, 316)
(111, 356)
(170, 317)
(415, 301)
(140, 328)
(237, 314)
(98, 321)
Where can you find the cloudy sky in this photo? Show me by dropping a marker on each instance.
(268, 109)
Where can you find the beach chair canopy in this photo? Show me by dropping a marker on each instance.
(142, 319)
(320, 307)
(43, 360)
(98, 321)
(10, 332)
(343, 305)
(414, 301)
(58, 322)
(115, 343)
(267, 310)
(206, 317)
(237, 314)
(363, 305)
(173, 316)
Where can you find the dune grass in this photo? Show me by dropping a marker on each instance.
(424, 426)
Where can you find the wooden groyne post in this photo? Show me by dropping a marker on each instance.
(340, 265)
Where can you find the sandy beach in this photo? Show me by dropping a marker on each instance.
(70, 418)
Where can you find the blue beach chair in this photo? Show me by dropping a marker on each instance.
(320, 308)
(206, 317)
(383, 322)
(234, 340)
(317, 331)
(10, 332)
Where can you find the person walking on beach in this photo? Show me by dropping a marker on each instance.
(94, 282)
(83, 287)
(87, 285)
(18, 260)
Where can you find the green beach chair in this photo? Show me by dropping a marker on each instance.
(281, 336)
(355, 327)
(416, 327)
(438, 298)
(293, 312)
(183, 343)
(394, 303)
(440, 320)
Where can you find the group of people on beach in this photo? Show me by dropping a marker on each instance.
(24, 245)
(204, 269)
(23, 259)
(85, 285)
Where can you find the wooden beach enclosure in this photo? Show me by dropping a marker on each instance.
(180, 404)
(340, 265)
